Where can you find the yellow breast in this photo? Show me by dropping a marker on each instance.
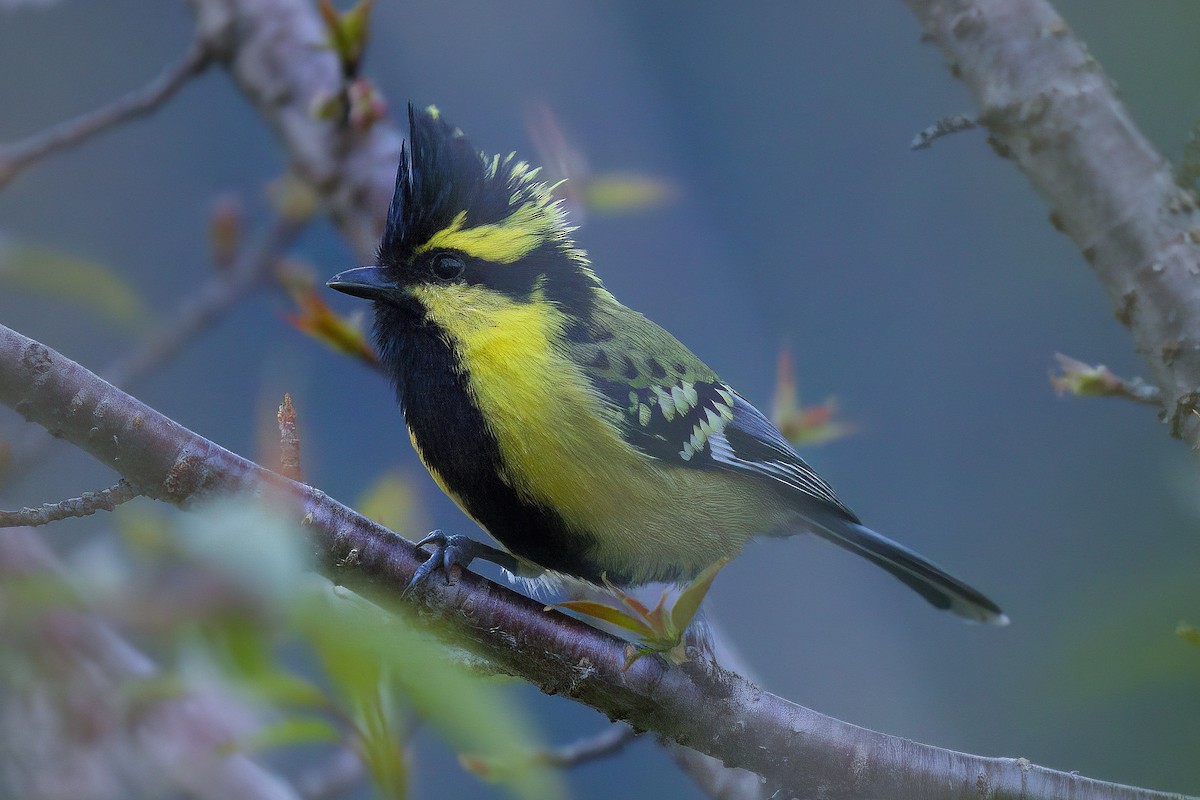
(561, 446)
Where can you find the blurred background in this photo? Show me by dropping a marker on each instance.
(925, 290)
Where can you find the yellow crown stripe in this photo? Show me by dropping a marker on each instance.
(504, 242)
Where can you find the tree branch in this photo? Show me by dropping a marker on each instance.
(19, 155)
(275, 52)
(705, 707)
(199, 310)
(86, 505)
(1048, 106)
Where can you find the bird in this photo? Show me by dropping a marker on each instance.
(583, 437)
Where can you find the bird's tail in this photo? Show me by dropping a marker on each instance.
(918, 573)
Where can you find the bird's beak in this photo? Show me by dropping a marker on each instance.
(366, 282)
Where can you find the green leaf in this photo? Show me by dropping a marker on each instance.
(283, 688)
(392, 502)
(369, 654)
(87, 284)
(381, 671)
(1189, 633)
(688, 602)
(288, 733)
(610, 614)
(618, 193)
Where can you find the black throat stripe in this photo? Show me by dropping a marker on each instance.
(455, 442)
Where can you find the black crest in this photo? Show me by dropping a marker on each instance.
(441, 174)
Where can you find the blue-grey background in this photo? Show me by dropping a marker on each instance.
(926, 290)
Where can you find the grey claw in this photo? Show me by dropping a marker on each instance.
(447, 552)
(433, 537)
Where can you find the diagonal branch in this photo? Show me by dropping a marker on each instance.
(707, 708)
(19, 155)
(1050, 108)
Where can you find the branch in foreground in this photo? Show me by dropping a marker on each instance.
(19, 155)
(1049, 106)
(198, 311)
(707, 708)
(86, 505)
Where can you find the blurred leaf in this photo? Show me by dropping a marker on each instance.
(240, 645)
(144, 530)
(1120, 644)
(390, 501)
(287, 733)
(251, 542)
(1083, 380)
(347, 33)
(624, 193)
(567, 170)
(86, 284)
(1189, 633)
(293, 198)
(377, 664)
(145, 693)
(283, 688)
(226, 222)
(315, 318)
(362, 648)
(802, 425)
(367, 105)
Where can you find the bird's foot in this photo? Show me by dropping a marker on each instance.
(456, 550)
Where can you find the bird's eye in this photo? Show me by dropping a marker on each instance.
(448, 267)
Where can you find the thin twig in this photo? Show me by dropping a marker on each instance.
(955, 123)
(84, 506)
(19, 155)
(606, 743)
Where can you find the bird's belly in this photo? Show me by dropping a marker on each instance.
(631, 516)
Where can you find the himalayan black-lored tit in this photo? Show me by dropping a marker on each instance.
(585, 438)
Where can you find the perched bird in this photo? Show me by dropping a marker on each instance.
(585, 438)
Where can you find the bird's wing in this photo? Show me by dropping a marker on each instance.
(674, 408)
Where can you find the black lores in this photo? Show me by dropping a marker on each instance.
(584, 437)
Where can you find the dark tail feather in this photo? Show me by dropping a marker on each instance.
(927, 580)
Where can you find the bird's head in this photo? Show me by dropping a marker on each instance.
(467, 232)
